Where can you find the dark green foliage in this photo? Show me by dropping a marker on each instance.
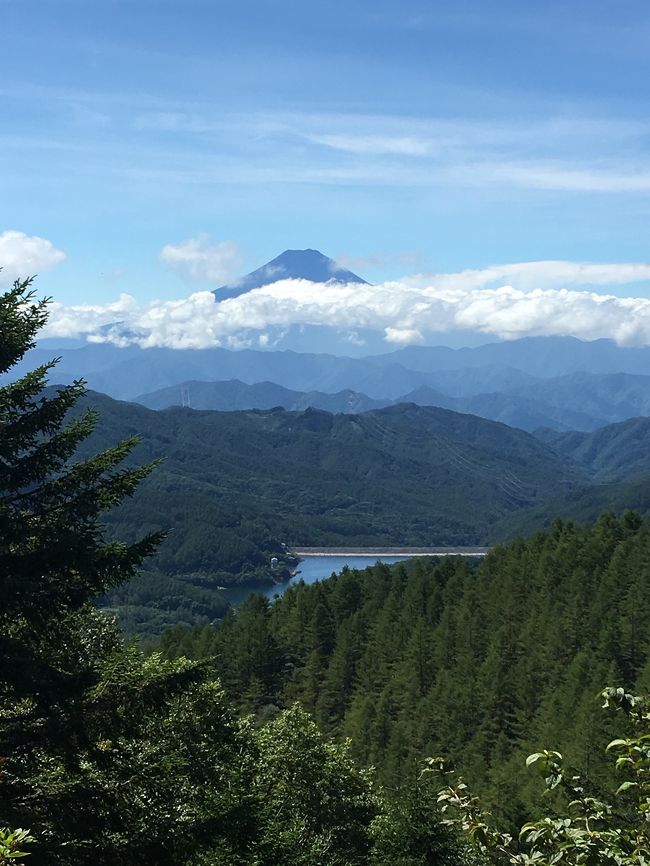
(409, 831)
(616, 458)
(581, 506)
(234, 485)
(607, 828)
(326, 804)
(12, 845)
(135, 761)
(482, 664)
(107, 756)
(612, 453)
(51, 552)
(153, 601)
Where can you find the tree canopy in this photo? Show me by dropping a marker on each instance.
(483, 663)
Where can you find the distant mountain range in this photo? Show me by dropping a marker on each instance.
(579, 401)
(561, 383)
(544, 357)
(234, 394)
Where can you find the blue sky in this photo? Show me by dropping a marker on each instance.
(400, 137)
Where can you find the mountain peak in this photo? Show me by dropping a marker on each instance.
(309, 265)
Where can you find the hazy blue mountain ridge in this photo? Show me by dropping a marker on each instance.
(580, 401)
(543, 357)
(491, 384)
(234, 395)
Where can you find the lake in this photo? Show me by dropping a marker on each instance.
(310, 569)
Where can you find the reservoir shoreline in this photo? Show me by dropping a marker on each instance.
(390, 551)
(319, 563)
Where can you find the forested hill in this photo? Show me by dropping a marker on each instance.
(616, 458)
(234, 485)
(612, 453)
(485, 665)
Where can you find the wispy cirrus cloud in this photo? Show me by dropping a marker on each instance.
(558, 153)
(195, 143)
(568, 176)
(376, 144)
(532, 303)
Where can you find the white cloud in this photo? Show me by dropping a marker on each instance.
(23, 256)
(403, 336)
(198, 260)
(355, 339)
(379, 145)
(557, 175)
(81, 319)
(542, 274)
(530, 301)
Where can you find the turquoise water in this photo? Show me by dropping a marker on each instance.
(311, 569)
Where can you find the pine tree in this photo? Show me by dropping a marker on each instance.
(105, 755)
(52, 556)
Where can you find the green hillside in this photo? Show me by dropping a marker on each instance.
(581, 505)
(612, 453)
(234, 486)
(482, 664)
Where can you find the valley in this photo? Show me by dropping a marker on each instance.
(239, 488)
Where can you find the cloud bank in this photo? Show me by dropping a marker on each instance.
(405, 311)
(23, 256)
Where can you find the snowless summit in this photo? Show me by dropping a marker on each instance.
(309, 265)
